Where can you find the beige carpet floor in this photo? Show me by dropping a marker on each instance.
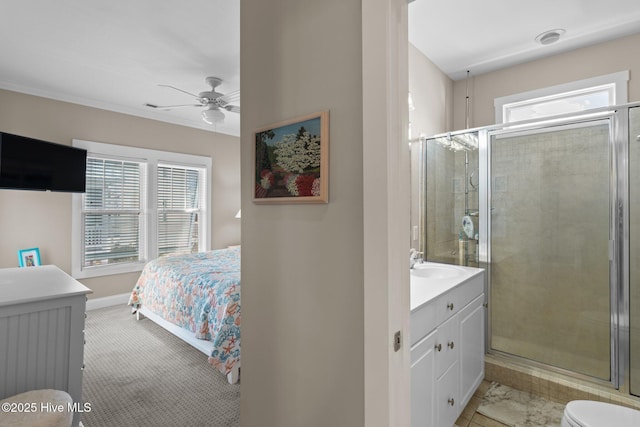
(519, 409)
(138, 374)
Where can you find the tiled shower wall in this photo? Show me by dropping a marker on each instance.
(445, 202)
(440, 203)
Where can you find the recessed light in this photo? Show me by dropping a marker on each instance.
(549, 37)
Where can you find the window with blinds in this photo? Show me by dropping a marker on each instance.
(112, 212)
(139, 204)
(179, 203)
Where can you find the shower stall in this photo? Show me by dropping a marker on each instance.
(451, 196)
(554, 207)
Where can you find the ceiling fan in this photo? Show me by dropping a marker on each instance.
(214, 101)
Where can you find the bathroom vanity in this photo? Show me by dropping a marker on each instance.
(447, 341)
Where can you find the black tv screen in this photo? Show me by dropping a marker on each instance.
(32, 164)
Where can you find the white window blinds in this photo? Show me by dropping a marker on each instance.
(111, 212)
(140, 204)
(179, 204)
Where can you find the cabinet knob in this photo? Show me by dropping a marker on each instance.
(439, 347)
(451, 401)
(450, 306)
(450, 345)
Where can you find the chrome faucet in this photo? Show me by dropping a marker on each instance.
(415, 257)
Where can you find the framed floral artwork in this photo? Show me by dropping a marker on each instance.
(291, 161)
(29, 257)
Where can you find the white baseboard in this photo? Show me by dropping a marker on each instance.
(109, 301)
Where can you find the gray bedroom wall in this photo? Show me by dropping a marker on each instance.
(302, 265)
(324, 285)
(38, 219)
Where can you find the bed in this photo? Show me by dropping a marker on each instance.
(197, 298)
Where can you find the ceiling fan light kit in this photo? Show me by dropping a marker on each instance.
(211, 99)
(212, 115)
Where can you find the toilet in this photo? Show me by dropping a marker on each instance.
(589, 413)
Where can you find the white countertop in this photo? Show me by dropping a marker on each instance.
(28, 284)
(424, 289)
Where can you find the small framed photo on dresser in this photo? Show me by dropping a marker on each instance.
(29, 257)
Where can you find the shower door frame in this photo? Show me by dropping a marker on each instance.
(617, 118)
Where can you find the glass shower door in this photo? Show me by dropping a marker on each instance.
(549, 238)
(634, 249)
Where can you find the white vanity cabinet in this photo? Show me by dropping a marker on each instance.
(447, 352)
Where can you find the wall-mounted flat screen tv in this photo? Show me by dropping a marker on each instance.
(32, 164)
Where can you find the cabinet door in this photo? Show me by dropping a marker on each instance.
(471, 348)
(423, 382)
(447, 406)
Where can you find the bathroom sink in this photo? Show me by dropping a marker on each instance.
(431, 279)
(430, 271)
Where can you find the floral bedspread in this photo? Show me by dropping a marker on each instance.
(199, 292)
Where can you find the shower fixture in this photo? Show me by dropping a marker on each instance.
(465, 141)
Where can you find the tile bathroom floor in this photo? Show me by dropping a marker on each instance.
(471, 418)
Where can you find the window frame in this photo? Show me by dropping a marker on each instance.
(149, 244)
(618, 80)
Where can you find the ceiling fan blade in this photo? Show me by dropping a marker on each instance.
(231, 97)
(214, 101)
(180, 90)
(168, 107)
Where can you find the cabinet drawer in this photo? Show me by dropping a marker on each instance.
(451, 302)
(471, 290)
(447, 305)
(423, 321)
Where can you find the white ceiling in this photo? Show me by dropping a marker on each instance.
(485, 35)
(114, 54)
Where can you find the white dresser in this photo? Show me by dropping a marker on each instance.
(42, 313)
